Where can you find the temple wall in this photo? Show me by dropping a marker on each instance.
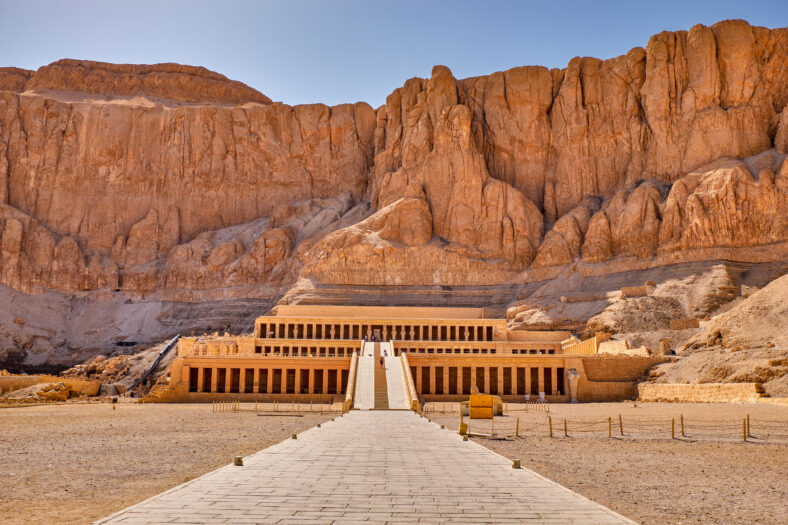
(16, 382)
(607, 367)
(702, 393)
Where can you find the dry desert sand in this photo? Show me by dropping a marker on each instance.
(709, 477)
(77, 462)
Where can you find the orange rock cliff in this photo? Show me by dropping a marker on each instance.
(133, 184)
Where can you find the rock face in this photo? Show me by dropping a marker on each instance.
(173, 182)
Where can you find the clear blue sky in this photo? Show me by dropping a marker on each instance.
(344, 51)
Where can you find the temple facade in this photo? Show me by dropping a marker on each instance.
(306, 353)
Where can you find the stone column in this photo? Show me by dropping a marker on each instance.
(553, 380)
(445, 372)
(500, 381)
(228, 380)
(486, 389)
(541, 379)
(311, 380)
(298, 380)
(573, 378)
(459, 379)
(200, 378)
(418, 380)
(473, 377)
(256, 384)
(283, 384)
(325, 380)
(433, 379)
(514, 381)
(527, 380)
(214, 379)
(269, 387)
(242, 381)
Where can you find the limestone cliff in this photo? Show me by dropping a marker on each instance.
(171, 182)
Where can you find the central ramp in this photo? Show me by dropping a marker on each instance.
(364, 398)
(375, 467)
(381, 390)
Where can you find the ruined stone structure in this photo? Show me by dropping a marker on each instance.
(310, 352)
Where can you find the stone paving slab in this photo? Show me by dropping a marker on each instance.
(371, 467)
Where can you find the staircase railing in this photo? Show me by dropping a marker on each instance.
(351, 383)
(410, 387)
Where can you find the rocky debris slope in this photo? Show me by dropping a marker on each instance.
(170, 183)
(120, 372)
(39, 392)
(745, 343)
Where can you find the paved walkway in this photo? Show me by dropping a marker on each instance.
(371, 467)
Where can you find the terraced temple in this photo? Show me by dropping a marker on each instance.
(318, 353)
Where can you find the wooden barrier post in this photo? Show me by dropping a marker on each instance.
(682, 425)
(609, 427)
(749, 434)
(550, 423)
(620, 425)
(744, 430)
(566, 433)
(517, 427)
(672, 428)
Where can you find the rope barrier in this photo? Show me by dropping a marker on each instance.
(643, 428)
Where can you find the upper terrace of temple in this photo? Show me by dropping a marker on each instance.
(389, 323)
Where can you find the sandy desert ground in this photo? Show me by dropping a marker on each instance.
(76, 462)
(709, 476)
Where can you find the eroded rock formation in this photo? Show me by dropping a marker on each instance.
(173, 182)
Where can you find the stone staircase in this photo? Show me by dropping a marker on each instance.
(381, 388)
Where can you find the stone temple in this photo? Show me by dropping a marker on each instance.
(395, 357)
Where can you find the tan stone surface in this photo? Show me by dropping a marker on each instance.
(703, 393)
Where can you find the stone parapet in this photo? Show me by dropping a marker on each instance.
(701, 393)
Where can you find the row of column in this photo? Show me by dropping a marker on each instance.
(459, 380)
(267, 380)
(386, 332)
(475, 350)
(305, 351)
